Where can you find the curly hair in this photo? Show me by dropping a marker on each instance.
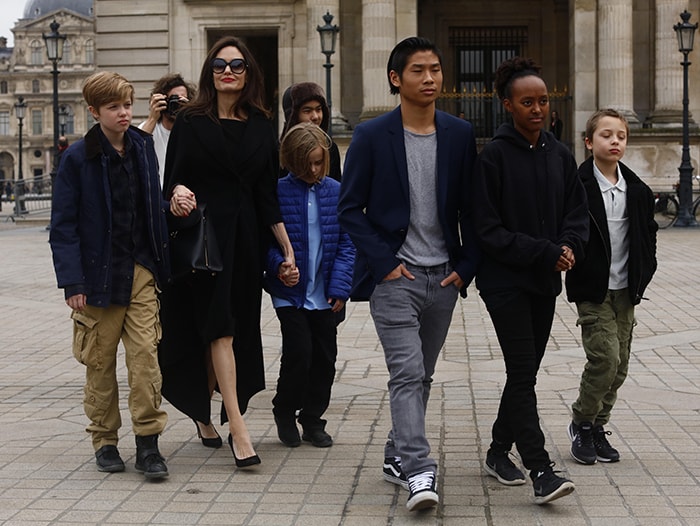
(164, 84)
(512, 69)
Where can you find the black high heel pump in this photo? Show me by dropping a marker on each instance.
(243, 462)
(208, 442)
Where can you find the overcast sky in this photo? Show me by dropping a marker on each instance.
(10, 12)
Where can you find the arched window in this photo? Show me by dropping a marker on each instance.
(90, 52)
(67, 48)
(36, 87)
(37, 53)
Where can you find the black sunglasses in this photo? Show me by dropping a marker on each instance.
(237, 65)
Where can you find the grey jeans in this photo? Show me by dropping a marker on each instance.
(412, 318)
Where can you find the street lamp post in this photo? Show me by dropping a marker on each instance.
(54, 50)
(20, 109)
(685, 31)
(328, 35)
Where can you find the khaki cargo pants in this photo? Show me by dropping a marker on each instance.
(96, 335)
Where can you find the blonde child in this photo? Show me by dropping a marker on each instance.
(307, 298)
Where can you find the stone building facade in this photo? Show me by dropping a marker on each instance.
(26, 72)
(594, 53)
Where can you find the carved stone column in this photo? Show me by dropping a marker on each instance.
(378, 39)
(668, 76)
(615, 58)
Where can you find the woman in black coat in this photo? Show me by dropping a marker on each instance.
(222, 152)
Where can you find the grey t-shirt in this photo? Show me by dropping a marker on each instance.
(425, 243)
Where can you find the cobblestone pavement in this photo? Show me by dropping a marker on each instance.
(48, 475)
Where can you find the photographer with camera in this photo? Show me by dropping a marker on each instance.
(169, 94)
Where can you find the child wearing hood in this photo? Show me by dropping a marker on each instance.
(305, 102)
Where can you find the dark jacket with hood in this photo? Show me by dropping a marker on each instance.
(528, 202)
(295, 96)
(588, 280)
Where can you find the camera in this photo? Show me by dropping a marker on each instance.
(173, 105)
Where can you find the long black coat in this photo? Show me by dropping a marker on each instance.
(231, 166)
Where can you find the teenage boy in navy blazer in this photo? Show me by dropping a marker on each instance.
(404, 202)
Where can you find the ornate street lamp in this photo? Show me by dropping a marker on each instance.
(62, 118)
(54, 51)
(328, 34)
(20, 111)
(685, 31)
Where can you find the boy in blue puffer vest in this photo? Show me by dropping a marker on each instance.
(306, 298)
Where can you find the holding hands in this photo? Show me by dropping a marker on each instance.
(566, 260)
(183, 201)
(288, 273)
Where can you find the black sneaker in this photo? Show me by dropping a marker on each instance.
(603, 450)
(499, 465)
(393, 473)
(108, 460)
(548, 485)
(582, 448)
(422, 489)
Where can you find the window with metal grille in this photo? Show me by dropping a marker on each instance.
(478, 53)
(37, 121)
(4, 123)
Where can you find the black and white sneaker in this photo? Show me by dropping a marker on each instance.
(499, 465)
(422, 489)
(603, 450)
(393, 473)
(582, 448)
(548, 485)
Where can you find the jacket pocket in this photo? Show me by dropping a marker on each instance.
(85, 348)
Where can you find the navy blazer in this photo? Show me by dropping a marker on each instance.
(374, 204)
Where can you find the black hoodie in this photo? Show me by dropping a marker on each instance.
(294, 97)
(528, 203)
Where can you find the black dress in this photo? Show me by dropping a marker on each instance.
(232, 167)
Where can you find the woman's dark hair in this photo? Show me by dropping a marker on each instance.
(402, 52)
(252, 96)
(512, 69)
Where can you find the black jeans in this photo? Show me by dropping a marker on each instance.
(522, 321)
(307, 368)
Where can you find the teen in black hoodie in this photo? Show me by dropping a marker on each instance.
(531, 222)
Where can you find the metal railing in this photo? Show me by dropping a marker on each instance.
(24, 197)
(486, 113)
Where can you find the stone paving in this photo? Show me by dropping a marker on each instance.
(48, 475)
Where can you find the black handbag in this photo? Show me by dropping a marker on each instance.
(193, 245)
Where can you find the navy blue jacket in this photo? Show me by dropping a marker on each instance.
(588, 280)
(374, 206)
(81, 216)
(338, 252)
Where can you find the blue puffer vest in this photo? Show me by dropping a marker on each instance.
(338, 251)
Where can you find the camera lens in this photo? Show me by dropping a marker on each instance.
(173, 105)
